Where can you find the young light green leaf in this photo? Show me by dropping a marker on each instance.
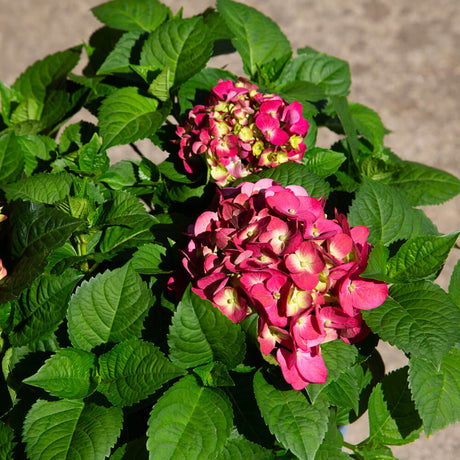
(323, 162)
(111, 307)
(436, 390)
(257, 38)
(386, 213)
(200, 334)
(296, 174)
(419, 318)
(132, 371)
(454, 285)
(298, 425)
(242, 449)
(7, 443)
(420, 257)
(70, 374)
(40, 188)
(42, 307)
(126, 116)
(132, 15)
(147, 260)
(189, 418)
(11, 158)
(423, 185)
(182, 45)
(393, 419)
(70, 429)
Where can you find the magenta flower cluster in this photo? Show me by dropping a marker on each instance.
(271, 250)
(240, 131)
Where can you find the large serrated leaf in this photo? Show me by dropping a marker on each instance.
(297, 424)
(387, 215)
(40, 188)
(200, 334)
(111, 307)
(323, 162)
(423, 185)
(368, 123)
(70, 374)
(242, 449)
(11, 158)
(393, 419)
(70, 429)
(42, 307)
(132, 15)
(420, 257)
(189, 418)
(257, 38)
(436, 390)
(148, 259)
(331, 447)
(132, 371)
(126, 116)
(454, 285)
(296, 174)
(183, 46)
(419, 318)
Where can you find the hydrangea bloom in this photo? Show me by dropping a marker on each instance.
(240, 130)
(271, 250)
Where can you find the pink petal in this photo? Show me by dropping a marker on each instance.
(311, 367)
(278, 136)
(290, 372)
(367, 294)
(266, 122)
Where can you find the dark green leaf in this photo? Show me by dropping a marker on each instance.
(393, 419)
(11, 158)
(214, 374)
(66, 429)
(126, 209)
(200, 334)
(418, 318)
(184, 46)
(257, 38)
(420, 257)
(377, 263)
(386, 213)
(70, 374)
(120, 175)
(242, 449)
(110, 307)
(133, 450)
(117, 238)
(132, 15)
(323, 162)
(132, 371)
(147, 260)
(92, 159)
(189, 418)
(436, 390)
(423, 185)
(454, 285)
(7, 443)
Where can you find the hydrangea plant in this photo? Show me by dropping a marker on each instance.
(227, 302)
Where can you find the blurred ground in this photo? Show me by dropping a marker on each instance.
(405, 64)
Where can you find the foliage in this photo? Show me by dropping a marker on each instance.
(108, 350)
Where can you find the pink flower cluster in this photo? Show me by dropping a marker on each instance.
(3, 271)
(240, 131)
(271, 250)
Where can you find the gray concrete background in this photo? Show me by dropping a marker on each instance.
(405, 63)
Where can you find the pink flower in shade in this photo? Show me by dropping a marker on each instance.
(271, 250)
(240, 130)
(3, 271)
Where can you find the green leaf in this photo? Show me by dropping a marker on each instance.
(126, 116)
(120, 175)
(132, 371)
(393, 419)
(298, 425)
(436, 390)
(11, 158)
(420, 257)
(51, 70)
(331, 447)
(70, 429)
(386, 213)
(40, 188)
(70, 374)
(110, 307)
(338, 356)
(423, 185)
(330, 74)
(377, 262)
(375, 452)
(200, 334)
(133, 450)
(147, 260)
(7, 443)
(92, 159)
(7, 97)
(34, 148)
(132, 15)
(406, 319)
(344, 391)
(189, 418)
(257, 38)
(323, 162)
(42, 307)
(121, 57)
(214, 374)
(242, 449)
(301, 91)
(184, 46)
(291, 173)
(368, 123)
(454, 285)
